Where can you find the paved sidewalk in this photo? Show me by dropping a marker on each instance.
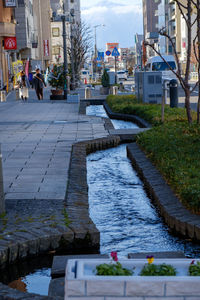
(36, 139)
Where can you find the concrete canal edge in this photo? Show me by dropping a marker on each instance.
(176, 216)
(86, 234)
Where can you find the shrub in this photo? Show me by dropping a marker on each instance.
(56, 77)
(105, 79)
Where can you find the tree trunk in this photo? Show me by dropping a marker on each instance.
(198, 35)
(187, 105)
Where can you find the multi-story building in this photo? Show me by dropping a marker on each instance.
(72, 13)
(42, 21)
(33, 32)
(7, 41)
(150, 23)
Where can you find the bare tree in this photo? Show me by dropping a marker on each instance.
(196, 50)
(185, 8)
(80, 42)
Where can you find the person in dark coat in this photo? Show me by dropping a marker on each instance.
(39, 84)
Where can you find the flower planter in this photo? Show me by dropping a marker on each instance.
(57, 95)
(82, 282)
(56, 92)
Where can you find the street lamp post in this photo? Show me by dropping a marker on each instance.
(72, 49)
(63, 18)
(95, 46)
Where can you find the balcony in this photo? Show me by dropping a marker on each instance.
(7, 29)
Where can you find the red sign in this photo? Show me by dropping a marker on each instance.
(46, 47)
(10, 43)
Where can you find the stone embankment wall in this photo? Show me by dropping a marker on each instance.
(177, 217)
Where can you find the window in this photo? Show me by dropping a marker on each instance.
(55, 31)
(56, 50)
(162, 66)
(20, 3)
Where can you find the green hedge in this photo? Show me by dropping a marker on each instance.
(149, 112)
(174, 147)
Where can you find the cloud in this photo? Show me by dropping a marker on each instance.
(122, 18)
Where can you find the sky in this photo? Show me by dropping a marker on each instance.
(122, 19)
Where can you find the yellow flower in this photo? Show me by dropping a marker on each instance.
(150, 259)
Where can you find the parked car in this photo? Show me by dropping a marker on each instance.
(156, 63)
(122, 75)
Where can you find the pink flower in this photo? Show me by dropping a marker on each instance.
(114, 256)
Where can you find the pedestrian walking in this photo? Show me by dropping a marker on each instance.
(39, 84)
(23, 86)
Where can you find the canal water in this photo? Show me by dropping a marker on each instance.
(99, 111)
(119, 206)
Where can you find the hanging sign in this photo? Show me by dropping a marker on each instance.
(46, 47)
(10, 3)
(10, 43)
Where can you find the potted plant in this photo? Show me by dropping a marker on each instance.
(56, 79)
(105, 81)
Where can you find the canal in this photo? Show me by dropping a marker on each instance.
(119, 206)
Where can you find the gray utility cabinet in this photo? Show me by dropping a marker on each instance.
(148, 86)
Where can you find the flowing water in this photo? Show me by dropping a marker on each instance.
(119, 206)
(99, 111)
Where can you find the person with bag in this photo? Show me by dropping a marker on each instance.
(39, 83)
(23, 86)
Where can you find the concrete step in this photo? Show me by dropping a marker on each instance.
(60, 262)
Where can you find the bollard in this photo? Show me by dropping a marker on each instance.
(3, 96)
(88, 93)
(113, 90)
(173, 93)
(17, 94)
(2, 200)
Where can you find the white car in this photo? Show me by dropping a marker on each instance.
(155, 63)
(121, 75)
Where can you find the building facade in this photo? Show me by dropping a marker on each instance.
(7, 29)
(42, 21)
(150, 23)
(73, 15)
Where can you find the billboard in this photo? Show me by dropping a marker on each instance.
(10, 3)
(111, 46)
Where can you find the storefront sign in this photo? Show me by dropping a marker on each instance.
(10, 3)
(10, 43)
(46, 47)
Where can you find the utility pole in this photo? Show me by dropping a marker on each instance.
(63, 18)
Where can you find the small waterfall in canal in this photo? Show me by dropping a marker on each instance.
(119, 206)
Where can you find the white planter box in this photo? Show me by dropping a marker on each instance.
(81, 281)
(73, 98)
